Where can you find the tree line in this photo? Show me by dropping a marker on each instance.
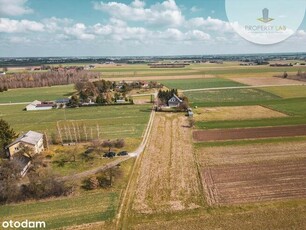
(43, 79)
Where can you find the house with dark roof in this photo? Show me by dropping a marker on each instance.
(31, 139)
(174, 101)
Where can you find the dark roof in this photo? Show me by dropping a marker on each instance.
(63, 100)
(44, 105)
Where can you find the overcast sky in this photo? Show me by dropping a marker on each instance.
(125, 27)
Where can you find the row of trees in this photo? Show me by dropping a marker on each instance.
(42, 79)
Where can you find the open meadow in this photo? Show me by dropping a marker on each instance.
(113, 121)
(41, 94)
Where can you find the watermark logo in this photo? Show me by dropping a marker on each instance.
(265, 16)
(26, 224)
(286, 17)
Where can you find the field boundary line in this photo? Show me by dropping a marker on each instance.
(240, 87)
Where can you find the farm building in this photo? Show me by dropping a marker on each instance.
(38, 105)
(175, 101)
(31, 139)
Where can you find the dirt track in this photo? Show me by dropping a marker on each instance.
(168, 180)
(249, 133)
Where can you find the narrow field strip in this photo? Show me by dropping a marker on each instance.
(249, 133)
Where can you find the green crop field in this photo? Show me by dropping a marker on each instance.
(287, 91)
(295, 108)
(31, 94)
(229, 96)
(199, 83)
(85, 208)
(113, 121)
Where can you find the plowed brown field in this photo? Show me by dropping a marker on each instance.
(249, 133)
(244, 183)
(253, 173)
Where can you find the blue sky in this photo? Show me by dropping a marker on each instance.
(125, 27)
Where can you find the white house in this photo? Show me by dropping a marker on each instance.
(38, 105)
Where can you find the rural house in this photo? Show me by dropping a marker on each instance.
(31, 139)
(38, 105)
(175, 101)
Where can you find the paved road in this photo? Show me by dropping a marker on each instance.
(16, 103)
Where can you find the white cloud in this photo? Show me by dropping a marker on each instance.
(195, 9)
(56, 24)
(19, 40)
(19, 26)
(166, 13)
(210, 23)
(79, 31)
(14, 7)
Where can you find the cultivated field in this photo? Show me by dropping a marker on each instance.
(199, 83)
(168, 179)
(250, 133)
(235, 113)
(287, 91)
(253, 173)
(237, 96)
(259, 81)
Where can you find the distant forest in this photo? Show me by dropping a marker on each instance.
(52, 78)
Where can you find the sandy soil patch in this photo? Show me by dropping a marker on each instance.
(235, 113)
(262, 81)
(168, 179)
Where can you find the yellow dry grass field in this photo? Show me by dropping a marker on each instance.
(262, 81)
(168, 179)
(235, 113)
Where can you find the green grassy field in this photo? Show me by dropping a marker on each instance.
(84, 208)
(231, 96)
(295, 108)
(287, 91)
(31, 94)
(113, 121)
(199, 83)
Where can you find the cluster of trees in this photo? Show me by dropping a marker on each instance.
(100, 92)
(165, 95)
(110, 144)
(3, 89)
(42, 183)
(42, 79)
(103, 180)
